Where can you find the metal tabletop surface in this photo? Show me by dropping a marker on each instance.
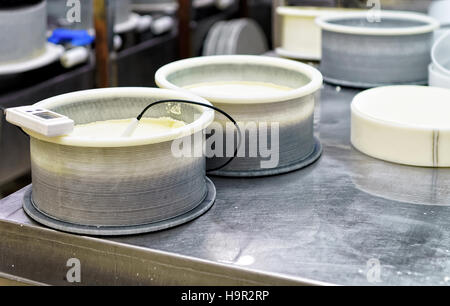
(330, 222)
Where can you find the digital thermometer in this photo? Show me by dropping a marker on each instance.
(40, 120)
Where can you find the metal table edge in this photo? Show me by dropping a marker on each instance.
(213, 273)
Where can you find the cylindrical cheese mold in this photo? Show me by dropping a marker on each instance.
(272, 99)
(368, 50)
(115, 180)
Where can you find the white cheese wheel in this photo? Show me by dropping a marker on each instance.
(403, 124)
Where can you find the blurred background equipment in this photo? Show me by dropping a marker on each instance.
(238, 36)
(30, 71)
(28, 23)
(59, 11)
(420, 6)
(404, 5)
(300, 36)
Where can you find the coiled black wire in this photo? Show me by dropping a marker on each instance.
(139, 117)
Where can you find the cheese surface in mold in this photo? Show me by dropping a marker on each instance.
(244, 88)
(115, 128)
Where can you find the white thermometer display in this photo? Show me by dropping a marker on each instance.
(39, 120)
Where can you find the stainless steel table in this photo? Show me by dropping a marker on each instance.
(331, 222)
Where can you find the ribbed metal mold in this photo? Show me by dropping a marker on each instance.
(287, 119)
(354, 58)
(117, 185)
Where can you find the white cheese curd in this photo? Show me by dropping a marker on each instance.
(115, 128)
(243, 88)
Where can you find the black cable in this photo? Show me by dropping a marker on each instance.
(205, 105)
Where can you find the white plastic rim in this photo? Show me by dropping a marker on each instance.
(306, 12)
(313, 74)
(326, 23)
(434, 49)
(310, 11)
(403, 124)
(51, 54)
(199, 124)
